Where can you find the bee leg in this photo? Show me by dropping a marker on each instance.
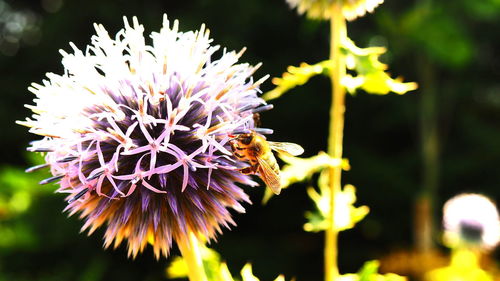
(247, 171)
(237, 151)
(239, 156)
(233, 145)
(252, 170)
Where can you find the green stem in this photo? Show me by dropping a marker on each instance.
(430, 145)
(190, 251)
(337, 34)
(425, 206)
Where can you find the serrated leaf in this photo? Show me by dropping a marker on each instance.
(298, 169)
(296, 76)
(371, 73)
(315, 222)
(346, 215)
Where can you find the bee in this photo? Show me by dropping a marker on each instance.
(254, 149)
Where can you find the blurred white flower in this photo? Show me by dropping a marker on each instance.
(471, 220)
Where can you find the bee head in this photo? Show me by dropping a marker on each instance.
(245, 139)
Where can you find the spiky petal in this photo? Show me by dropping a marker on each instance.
(138, 134)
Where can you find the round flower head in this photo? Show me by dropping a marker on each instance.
(321, 9)
(138, 134)
(471, 220)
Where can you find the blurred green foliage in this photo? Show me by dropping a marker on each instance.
(217, 270)
(369, 272)
(460, 39)
(16, 197)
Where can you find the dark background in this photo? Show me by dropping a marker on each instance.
(451, 49)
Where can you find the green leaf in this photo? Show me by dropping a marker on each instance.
(369, 269)
(346, 214)
(298, 169)
(369, 272)
(296, 76)
(215, 268)
(371, 73)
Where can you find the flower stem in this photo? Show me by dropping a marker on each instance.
(190, 251)
(337, 34)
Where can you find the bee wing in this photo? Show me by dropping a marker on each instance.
(286, 147)
(269, 176)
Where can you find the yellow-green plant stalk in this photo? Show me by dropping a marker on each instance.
(190, 250)
(370, 76)
(337, 34)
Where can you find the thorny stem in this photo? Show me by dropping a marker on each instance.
(190, 251)
(337, 34)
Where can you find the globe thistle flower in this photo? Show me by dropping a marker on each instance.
(137, 134)
(321, 9)
(471, 220)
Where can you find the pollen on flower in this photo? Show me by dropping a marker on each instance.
(137, 134)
